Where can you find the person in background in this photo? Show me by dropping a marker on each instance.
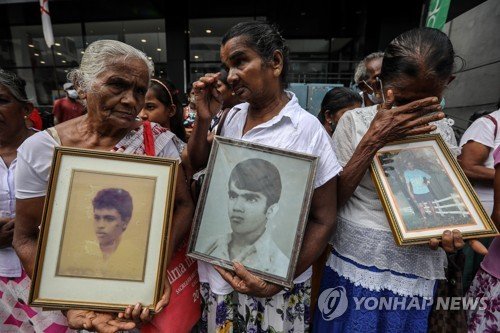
(189, 111)
(476, 159)
(336, 102)
(164, 108)
(34, 120)
(486, 284)
(112, 80)
(365, 261)
(68, 107)
(365, 76)
(15, 314)
(256, 58)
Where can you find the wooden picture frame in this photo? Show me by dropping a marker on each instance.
(253, 208)
(424, 192)
(105, 231)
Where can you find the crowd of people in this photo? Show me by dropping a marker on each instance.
(114, 101)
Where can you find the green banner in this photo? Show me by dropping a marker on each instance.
(437, 14)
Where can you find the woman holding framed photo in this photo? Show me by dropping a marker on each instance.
(256, 58)
(112, 81)
(365, 260)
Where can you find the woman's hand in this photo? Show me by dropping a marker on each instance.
(97, 321)
(451, 241)
(246, 283)
(6, 232)
(140, 315)
(208, 98)
(413, 118)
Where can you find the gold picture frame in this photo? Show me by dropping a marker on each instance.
(244, 177)
(105, 232)
(425, 192)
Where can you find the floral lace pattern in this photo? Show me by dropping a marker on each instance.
(380, 280)
(361, 244)
(486, 320)
(237, 313)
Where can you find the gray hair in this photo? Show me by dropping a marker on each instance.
(360, 73)
(101, 54)
(15, 85)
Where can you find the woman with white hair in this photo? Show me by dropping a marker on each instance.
(112, 81)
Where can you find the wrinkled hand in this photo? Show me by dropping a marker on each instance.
(6, 232)
(97, 321)
(246, 283)
(208, 99)
(451, 242)
(140, 315)
(413, 118)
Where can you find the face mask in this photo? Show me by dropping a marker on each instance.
(372, 96)
(442, 103)
(72, 94)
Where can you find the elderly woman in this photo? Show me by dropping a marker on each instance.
(112, 81)
(14, 283)
(256, 58)
(365, 261)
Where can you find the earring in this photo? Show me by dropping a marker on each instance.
(25, 117)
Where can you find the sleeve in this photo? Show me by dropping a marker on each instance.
(328, 165)
(344, 139)
(481, 131)
(169, 151)
(34, 159)
(496, 156)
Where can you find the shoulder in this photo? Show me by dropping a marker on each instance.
(215, 243)
(38, 145)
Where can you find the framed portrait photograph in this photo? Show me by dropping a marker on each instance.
(253, 209)
(105, 231)
(425, 192)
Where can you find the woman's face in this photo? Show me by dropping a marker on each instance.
(156, 111)
(249, 77)
(117, 95)
(228, 99)
(12, 113)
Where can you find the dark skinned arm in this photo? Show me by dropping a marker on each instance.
(28, 218)
(183, 210)
(472, 159)
(388, 125)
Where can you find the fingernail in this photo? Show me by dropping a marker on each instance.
(435, 99)
(137, 305)
(447, 232)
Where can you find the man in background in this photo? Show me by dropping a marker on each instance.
(68, 107)
(365, 77)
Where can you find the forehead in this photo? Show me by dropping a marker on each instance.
(127, 68)
(411, 89)
(4, 91)
(232, 187)
(374, 65)
(235, 46)
(106, 211)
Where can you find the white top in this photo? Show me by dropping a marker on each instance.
(10, 266)
(363, 233)
(293, 129)
(263, 255)
(483, 131)
(34, 159)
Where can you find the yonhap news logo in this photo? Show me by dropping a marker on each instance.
(333, 303)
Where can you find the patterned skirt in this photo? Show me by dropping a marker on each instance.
(346, 307)
(235, 312)
(486, 319)
(17, 316)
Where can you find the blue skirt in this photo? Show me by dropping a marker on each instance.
(345, 307)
